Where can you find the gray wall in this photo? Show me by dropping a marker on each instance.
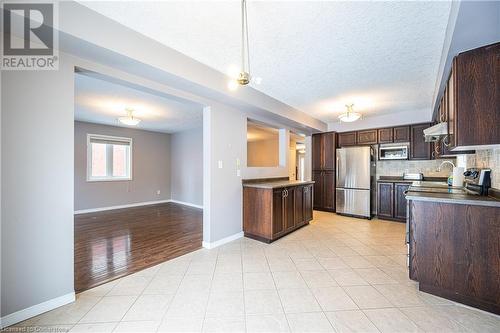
(37, 186)
(477, 24)
(186, 165)
(150, 169)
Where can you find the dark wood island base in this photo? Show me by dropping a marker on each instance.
(454, 251)
(274, 209)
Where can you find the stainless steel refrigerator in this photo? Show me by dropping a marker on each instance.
(354, 181)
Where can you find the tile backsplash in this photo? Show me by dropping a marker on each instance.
(488, 158)
(428, 168)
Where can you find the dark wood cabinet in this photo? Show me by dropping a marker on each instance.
(317, 151)
(414, 134)
(385, 135)
(348, 139)
(400, 205)
(446, 114)
(289, 211)
(419, 149)
(474, 98)
(307, 203)
(269, 214)
(317, 177)
(298, 196)
(323, 151)
(391, 200)
(385, 201)
(454, 252)
(324, 190)
(278, 216)
(368, 137)
(402, 134)
(323, 173)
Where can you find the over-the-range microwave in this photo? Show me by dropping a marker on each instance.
(393, 151)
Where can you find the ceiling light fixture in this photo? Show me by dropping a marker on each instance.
(129, 120)
(349, 116)
(243, 77)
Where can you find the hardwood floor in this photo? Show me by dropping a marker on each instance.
(112, 244)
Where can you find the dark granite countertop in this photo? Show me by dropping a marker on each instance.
(400, 179)
(277, 183)
(459, 197)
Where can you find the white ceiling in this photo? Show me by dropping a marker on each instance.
(315, 56)
(102, 102)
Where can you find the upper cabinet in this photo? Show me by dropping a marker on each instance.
(323, 151)
(402, 134)
(412, 134)
(368, 137)
(419, 149)
(474, 98)
(385, 135)
(348, 139)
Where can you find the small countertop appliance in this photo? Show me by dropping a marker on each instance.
(478, 181)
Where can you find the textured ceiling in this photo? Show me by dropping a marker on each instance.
(102, 102)
(313, 55)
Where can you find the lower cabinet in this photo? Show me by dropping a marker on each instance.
(324, 190)
(269, 214)
(391, 201)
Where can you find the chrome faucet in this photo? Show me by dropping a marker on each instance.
(444, 162)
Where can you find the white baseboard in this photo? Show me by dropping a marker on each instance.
(35, 310)
(137, 204)
(186, 203)
(222, 241)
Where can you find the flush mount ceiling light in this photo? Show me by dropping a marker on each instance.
(349, 116)
(129, 120)
(243, 77)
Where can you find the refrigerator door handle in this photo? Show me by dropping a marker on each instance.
(337, 170)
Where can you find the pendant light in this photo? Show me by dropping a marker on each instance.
(129, 120)
(243, 78)
(349, 116)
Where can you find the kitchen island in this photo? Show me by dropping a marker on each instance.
(454, 246)
(273, 208)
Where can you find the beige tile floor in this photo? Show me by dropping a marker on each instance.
(336, 275)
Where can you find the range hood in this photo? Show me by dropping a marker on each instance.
(434, 133)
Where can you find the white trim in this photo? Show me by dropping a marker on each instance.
(35, 310)
(222, 241)
(186, 203)
(137, 204)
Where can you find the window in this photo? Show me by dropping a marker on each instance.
(108, 158)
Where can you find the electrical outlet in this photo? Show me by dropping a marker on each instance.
(158, 192)
(220, 164)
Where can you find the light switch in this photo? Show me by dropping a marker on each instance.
(220, 164)
(238, 173)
